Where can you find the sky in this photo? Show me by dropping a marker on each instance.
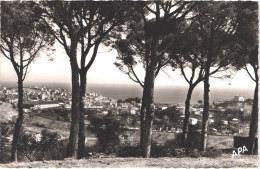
(103, 71)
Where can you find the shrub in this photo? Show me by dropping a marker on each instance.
(6, 129)
(62, 114)
(111, 148)
(39, 125)
(195, 153)
(175, 143)
(107, 130)
(170, 149)
(212, 152)
(161, 151)
(27, 146)
(179, 152)
(47, 141)
(59, 151)
(46, 145)
(129, 151)
(193, 139)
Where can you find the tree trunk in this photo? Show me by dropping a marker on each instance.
(205, 115)
(205, 109)
(81, 144)
(142, 117)
(254, 122)
(149, 112)
(75, 111)
(19, 121)
(1, 144)
(187, 115)
(148, 93)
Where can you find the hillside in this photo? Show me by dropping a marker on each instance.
(35, 122)
(226, 161)
(7, 112)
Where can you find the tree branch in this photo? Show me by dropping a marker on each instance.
(183, 73)
(25, 73)
(94, 54)
(138, 81)
(52, 32)
(149, 9)
(249, 74)
(65, 45)
(3, 52)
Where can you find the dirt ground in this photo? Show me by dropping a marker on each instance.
(226, 161)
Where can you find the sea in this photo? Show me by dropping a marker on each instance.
(163, 94)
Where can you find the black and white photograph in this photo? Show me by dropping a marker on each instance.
(129, 84)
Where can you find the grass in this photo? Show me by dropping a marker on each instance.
(226, 161)
(220, 142)
(160, 138)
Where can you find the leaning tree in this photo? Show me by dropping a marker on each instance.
(144, 44)
(22, 38)
(81, 27)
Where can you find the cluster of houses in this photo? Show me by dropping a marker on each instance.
(36, 93)
(102, 104)
(224, 117)
(36, 98)
(232, 113)
(241, 107)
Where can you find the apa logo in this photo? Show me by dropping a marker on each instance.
(239, 150)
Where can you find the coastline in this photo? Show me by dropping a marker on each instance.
(163, 94)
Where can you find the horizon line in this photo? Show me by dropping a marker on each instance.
(128, 84)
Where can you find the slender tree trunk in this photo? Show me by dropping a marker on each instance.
(19, 121)
(254, 122)
(142, 117)
(205, 109)
(205, 115)
(187, 115)
(149, 112)
(75, 110)
(1, 144)
(81, 145)
(43, 153)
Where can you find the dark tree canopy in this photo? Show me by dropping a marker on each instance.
(136, 48)
(22, 35)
